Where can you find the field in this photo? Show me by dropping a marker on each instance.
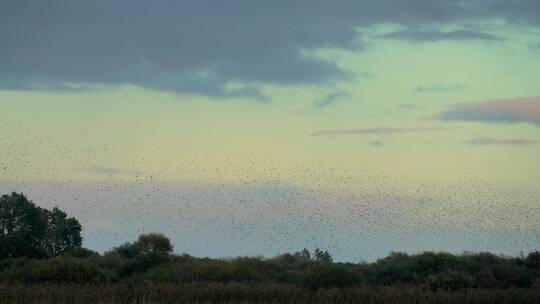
(243, 293)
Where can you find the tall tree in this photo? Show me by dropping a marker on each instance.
(31, 231)
(22, 227)
(63, 233)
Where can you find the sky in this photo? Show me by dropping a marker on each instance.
(262, 127)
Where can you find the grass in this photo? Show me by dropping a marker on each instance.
(244, 293)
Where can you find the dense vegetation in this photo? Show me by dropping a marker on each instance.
(244, 293)
(44, 247)
(30, 231)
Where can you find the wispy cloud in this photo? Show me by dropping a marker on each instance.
(480, 141)
(376, 131)
(377, 143)
(113, 171)
(331, 98)
(439, 88)
(496, 111)
(408, 106)
(432, 35)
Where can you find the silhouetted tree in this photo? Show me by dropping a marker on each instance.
(154, 243)
(322, 256)
(63, 233)
(305, 254)
(533, 260)
(22, 227)
(31, 231)
(148, 251)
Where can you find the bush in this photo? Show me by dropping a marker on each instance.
(134, 259)
(188, 269)
(141, 263)
(81, 253)
(58, 270)
(328, 275)
(533, 260)
(451, 280)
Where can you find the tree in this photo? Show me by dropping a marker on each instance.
(22, 227)
(31, 231)
(533, 260)
(304, 254)
(148, 251)
(63, 233)
(154, 243)
(145, 244)
(322, 256)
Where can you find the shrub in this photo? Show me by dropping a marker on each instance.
(533, 260)
(328, 275)
(58, 270)
(81, 253)
(451, 280)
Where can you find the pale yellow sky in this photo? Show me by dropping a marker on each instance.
(60, 135)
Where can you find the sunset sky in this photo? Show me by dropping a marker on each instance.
(259, 127)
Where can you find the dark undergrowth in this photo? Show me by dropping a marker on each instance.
(246, 293)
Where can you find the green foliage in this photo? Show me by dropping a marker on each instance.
(486, 269)
(141, 263)
(186, 269)
(30, 234)
(22, 227)
(198, 293)
(150, 250)
(57, 270)
(305, 256)
(328, 275)
(30, 231)
(451, 280)
(63, 233)
(81, 253)
(322, 256)
(533, 260)
(153, 243)
(146, 244)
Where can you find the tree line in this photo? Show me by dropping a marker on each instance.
(45, 246)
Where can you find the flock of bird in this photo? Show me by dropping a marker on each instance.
(268, 207)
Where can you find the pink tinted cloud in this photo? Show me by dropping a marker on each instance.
(523, 109)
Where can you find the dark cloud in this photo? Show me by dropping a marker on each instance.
(331, 98)
(500, 142)
(438, 35)
(377, 131)
(439, 88)
(496, 111)
(515, 11)
(202, 47)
